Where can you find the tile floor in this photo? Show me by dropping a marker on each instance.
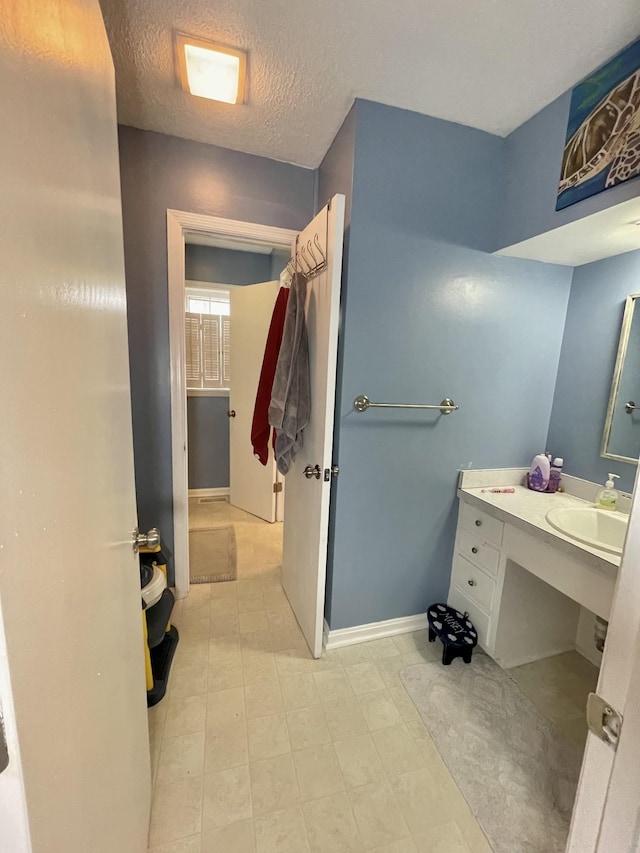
(259, 748)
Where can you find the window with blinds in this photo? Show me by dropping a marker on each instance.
(207, 331)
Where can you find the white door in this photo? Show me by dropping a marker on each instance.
(71, 657)
(306, 505)
(606, 817)
(251, 482)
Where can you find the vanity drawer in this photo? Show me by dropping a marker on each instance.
(478, 552)
(475, 583)
(482, 524)
(479, 619)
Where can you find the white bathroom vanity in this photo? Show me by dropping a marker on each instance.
(530, 590)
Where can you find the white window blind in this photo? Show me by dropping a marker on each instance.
(193, 349)
(207, 336)
(211, 355)
(226, 344)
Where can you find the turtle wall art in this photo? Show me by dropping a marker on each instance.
(603, 134)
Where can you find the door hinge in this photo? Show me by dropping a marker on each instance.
(277, 487)
(603, 721)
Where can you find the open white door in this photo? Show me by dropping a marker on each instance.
(251, 483)
(606, 816)
(71, 654)
(306, 505)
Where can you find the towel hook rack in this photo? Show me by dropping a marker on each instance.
(362, 403)
(305, 261)
(312, 254)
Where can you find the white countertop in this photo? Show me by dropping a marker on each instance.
(527, 509)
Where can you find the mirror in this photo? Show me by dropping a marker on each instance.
(621, 438)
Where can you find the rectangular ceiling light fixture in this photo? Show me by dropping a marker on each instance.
(210, 70)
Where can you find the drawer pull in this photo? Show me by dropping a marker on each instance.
(478, 522)
(471, 582)
(474, 550)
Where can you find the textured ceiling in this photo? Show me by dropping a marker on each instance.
(490, 64)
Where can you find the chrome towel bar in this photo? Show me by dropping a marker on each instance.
(362, 403)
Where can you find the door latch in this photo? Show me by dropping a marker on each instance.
(603, 720)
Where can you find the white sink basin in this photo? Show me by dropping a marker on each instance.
(599, 528)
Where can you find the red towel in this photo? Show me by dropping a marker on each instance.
(260, 428)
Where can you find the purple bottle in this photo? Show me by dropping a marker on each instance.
(539, 473)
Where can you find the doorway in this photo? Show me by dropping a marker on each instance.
(235, 505)
(190, 229)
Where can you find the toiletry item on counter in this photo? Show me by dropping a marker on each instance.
(539, 473)
(608, 497)
(509, 490)
(555, 474)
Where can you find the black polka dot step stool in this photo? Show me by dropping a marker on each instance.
(455, 629)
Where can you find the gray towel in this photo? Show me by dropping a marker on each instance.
(291, 394)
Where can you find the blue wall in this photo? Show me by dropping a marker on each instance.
(589, 347)
(533, 157)
(208, 437)
(229, 266)
(335, 174)
(428, 314)
(160, 172)
(279, 260)
(226, 266)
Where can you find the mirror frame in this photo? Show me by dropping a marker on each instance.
(627, 319)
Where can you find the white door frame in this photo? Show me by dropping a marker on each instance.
(179, 225)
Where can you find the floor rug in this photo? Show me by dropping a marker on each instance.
(213, 554)
(516, 772)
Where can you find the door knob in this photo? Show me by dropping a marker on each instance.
(310, 472)
(231, 413)
(145, 540)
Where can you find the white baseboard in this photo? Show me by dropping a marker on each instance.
(373, 631)
(209, 493)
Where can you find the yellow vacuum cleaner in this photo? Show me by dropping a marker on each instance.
(160, 636)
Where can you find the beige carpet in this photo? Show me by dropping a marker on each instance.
(213, 554)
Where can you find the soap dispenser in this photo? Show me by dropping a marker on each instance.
(608, 497)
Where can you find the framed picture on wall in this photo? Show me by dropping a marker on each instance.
(602, 147)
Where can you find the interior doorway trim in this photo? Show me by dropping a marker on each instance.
(180, 224)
